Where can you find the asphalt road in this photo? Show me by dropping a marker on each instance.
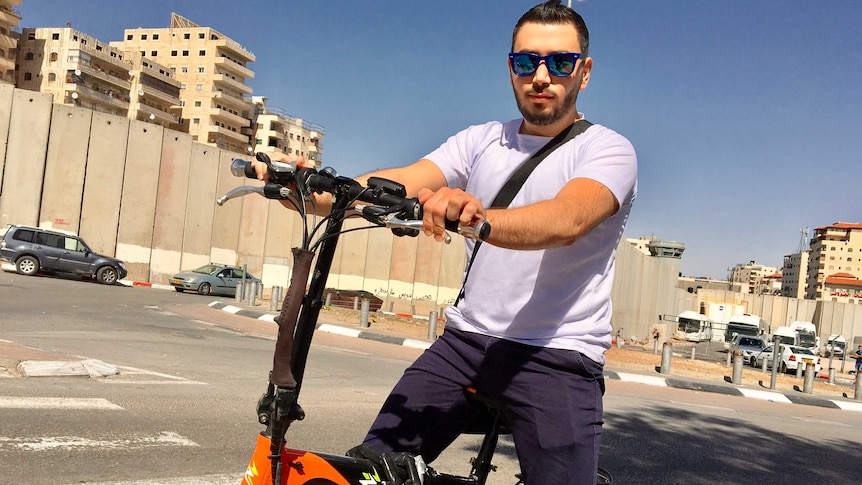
(182, 409)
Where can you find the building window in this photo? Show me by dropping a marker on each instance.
(155, 36)
(196, 121)
(52, 77)
(185, 53)
(183, 86)
(143, 36)
(202, 53)
(55, 36)
(201, 70)
(199, 87)
(184, 69)
(198, 104)
(53, 56)
(173, 53)
(201, 35)
(28, 56)
(154, 53)
(129, 37)
(187, 36)
(28, 76)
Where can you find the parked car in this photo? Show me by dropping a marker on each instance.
(791, 358)
(749, 346)
(211, 279)
(33, 249)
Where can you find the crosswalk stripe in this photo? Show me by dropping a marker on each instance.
(224, 479)
(53, 443)
(14, 402)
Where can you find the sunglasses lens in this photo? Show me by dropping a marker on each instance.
(524, 64)
(561, 64)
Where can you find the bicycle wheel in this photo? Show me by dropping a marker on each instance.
(603, 477)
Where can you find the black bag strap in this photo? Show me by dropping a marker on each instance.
(512, 186)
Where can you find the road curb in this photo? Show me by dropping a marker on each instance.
(673, 382)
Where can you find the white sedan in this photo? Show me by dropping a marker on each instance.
(791, 358)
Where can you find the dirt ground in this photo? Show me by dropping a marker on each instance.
(635, 358)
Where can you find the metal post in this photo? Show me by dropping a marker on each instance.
(363, 314)
(858, 392)
(763, 365)
(799, 368)
(776, 358)
(432, 325)
(831, 376)
(666, 354)
(736, 377)
(729, 358)
(252, 293)
(693, 352)
(356, 303)
(808, 385)
(240, 291)
(328, 299)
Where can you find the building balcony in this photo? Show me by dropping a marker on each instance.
(153, 115)
(227, 117)
(226, 98)
(159, 96)
(232, 83)
(86, 93)
(229, 65)
(9, 16)
(103, 76)
(218, 133)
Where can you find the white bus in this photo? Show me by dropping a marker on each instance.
(693, 327)
(744, 324)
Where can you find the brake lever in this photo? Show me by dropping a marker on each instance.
(270, 191)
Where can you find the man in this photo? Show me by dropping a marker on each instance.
(858, 356)
(532, 328)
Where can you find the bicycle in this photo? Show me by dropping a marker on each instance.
(385, 205)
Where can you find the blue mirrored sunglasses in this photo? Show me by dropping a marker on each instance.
(561, 64)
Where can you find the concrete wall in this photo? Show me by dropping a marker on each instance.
(146, 195)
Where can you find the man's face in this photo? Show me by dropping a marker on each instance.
(546, 101)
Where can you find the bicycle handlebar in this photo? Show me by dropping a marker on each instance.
(390, 207)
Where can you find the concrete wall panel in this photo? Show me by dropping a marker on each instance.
(138, 205)
(426, 278)
(252, 230)
(200, 206)
(402, 271)
(6, 93)
(170, 206)
(66, 164)
(378, 258)
(281, 224)
(103, 182)
(225, 229)
(350, 260)
(26, 150)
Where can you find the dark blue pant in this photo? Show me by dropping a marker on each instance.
(552, 399)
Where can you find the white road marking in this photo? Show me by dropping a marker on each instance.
(134, 371)
(225, 479)
(11, 402)
(52, 443)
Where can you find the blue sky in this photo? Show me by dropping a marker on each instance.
(746, 115)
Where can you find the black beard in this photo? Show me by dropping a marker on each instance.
(545, 119)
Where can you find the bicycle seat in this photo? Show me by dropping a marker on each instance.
(482, 415)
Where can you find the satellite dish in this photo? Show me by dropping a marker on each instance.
(131, 72)
(74, 95)
(140, 92)
(77, 72)
(152, 116)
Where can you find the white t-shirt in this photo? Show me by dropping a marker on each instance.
(557, 297)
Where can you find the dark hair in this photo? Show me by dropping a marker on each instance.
(554, 12)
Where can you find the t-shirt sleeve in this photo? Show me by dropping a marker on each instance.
(455, 157)
(610, 159)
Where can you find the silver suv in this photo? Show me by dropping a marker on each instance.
(32, 249)
(749, 347)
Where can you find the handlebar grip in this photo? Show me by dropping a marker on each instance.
(481, 231)
(242, 168)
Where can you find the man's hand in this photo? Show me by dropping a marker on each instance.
(451, 204)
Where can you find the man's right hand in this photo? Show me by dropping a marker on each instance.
(261, 170)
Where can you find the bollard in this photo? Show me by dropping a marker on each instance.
(356, 303)
(736, 377)
(763, 365)
(831, 376)
(273, 299)
(239, 295)
(252, 294)
(328, 299)
(693, 352)
(858, 393)
(729, 359)
(432, 326)
(799, 368)
(808, 385)
(363, 314)
(655, 346)
(776, 358)
(666, 354)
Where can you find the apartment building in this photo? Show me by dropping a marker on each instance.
(212, 70)
(835, 263)
(794, 274)
(82, 71)
(753, 278)
(277, 131)
(9, 18)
